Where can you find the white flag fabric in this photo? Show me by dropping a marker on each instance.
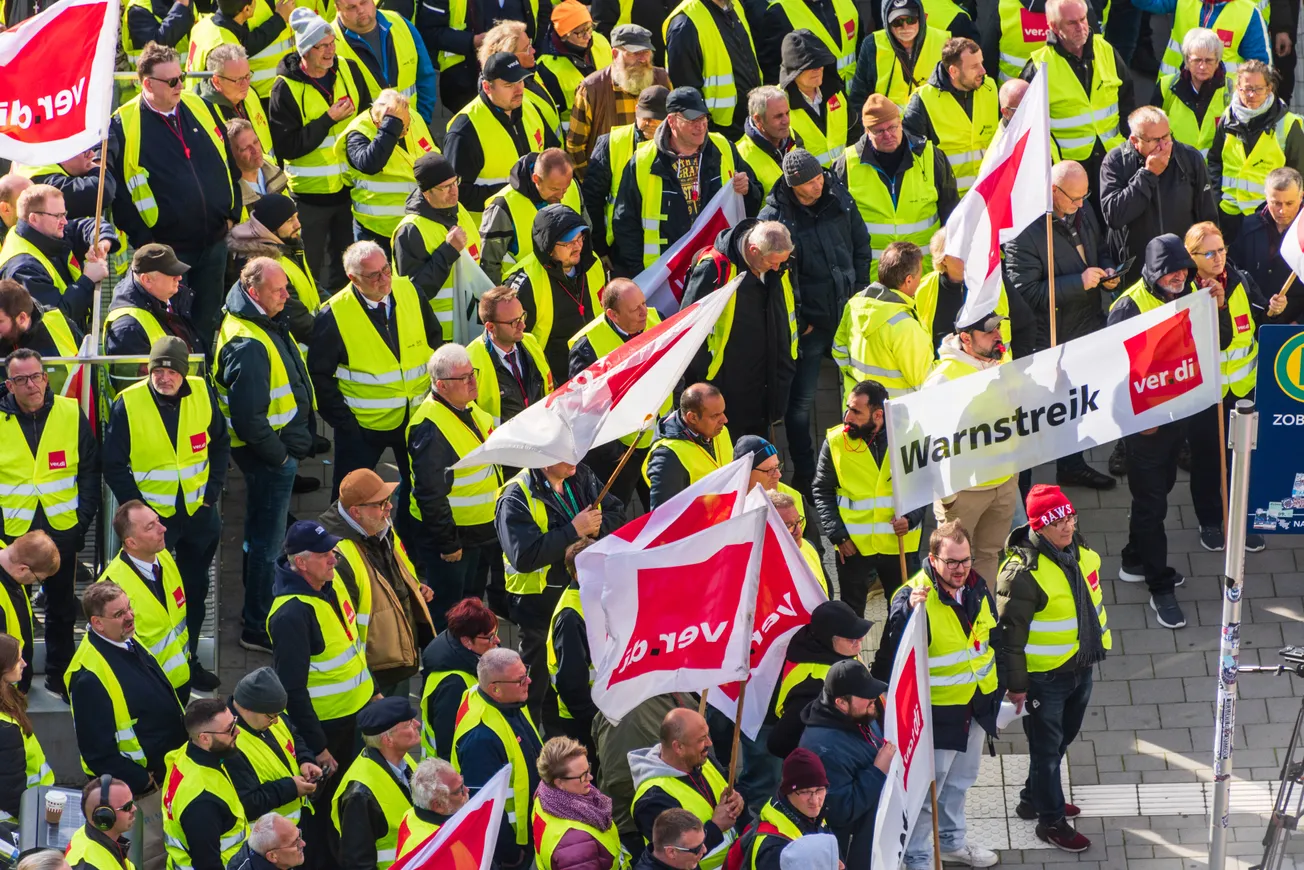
(467, 840)
(616, 396)
(56, 78)
(469, 284)
(1292, 250)
(663, 282)
(1157, 367)
(1012, 191)
(656, 642)
(908, 725)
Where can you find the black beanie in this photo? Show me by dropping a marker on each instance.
(431, 170)
(272, 210)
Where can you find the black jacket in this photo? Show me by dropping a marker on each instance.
(193, 185)
(865, 80)
(805, 648)
(80, 192)
(88, 465)
(831, 257)
(206, 818)
(756, 373)
(684, 59)
(296, 637)
(776, 25)
(243, 368)
(1083, 68)
(151, 702)
(596, 187)
(947, 193)
(571, 684)
(627, 218)
(1198, 101)
(13, 758)
(247, 859)
(1249, 134)
(1258, 252)
(75, 301)
(446, 653)
(510, 399)
(362, 818)
(253, 39)
(327, 353)
(116, 460)
(38, 338)
(162, 22)
(667, 474)
(824, 487)
(369, 156)
(482, 755)
(951, 723)
(432, 458)
(126, 337)
(260, 797)
(916, 119)
(21, 632)
(463, 149)
(1139, 205)
(428, 270)
(498, 231)
(291, 137)
(572, 297)
(1079, 311)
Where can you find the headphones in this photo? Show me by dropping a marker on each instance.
(104, 816)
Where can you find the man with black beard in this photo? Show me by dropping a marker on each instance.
(203, 824)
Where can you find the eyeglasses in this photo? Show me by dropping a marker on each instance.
(242, 80)
(903, 21)
(488, 638)
(884, 131)
(1076, 200)
(171, 83)
(796, 527)
(522, 682)
(24, 380)
(1167, 137)
(777, 468)
(383, 505)
(1201, 61)
(952, 564)
(583, 30)
(448, 185)
(1071, 520)
(1214, 254)
(699, 849)
(372, 276)
(520, 321)
(811, 792)
(57, 215)
(1251, 92)
(586, 773)
(229, 732)
(475, 373)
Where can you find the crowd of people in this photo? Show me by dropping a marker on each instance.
(293, 205)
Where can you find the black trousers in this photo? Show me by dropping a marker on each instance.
(1151, 473)
(532, 615)
(327, 231)
(856, 572)
(1202, 434)
(61, 609)
(193, 540)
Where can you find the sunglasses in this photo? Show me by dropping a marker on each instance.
(171, 83)
(904, 21)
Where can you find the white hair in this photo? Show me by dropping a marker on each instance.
(494, 663)
(46, 859)
(1146, 115)
(937, 244)
(355, 253)
(1201, 39)
(447, 359)
(1053, 8)
(758, 99)
(227, 52)
(263, 837)
(429, 784)
(770, 237)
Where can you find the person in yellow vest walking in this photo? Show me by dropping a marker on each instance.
(455, 507)
(438, 792)
(26, 562)
(24, 760)
(494, 729)
(679, 773)
(853, 499)
(167, 446)
(509, 363)
(898, 60)
(448, 664)
(572, 50)
(110, 812)
(606, 163)
(275, 840)
(230, 96)
(436, 228)
(963, 643)
(957, 110)
(376, 793)
(572, 822)
(380, 578)
(536, 180)
(691, 442)
(767, 135)
(204, 823)
(141, 312)
(1052, 621)
(710, 48)
(49, 477)
(125, 713)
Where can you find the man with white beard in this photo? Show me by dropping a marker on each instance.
(608, 97)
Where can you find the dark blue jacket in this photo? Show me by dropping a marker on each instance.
(126, 337)
(664, 470)
(385, 69)
(848, 751)
(75, 300)
(446, 653)
(1257, 251)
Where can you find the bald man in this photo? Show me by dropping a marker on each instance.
(11, 186)
(668, 774)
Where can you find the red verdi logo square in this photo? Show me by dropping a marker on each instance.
(1162, 363)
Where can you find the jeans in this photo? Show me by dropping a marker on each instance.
(812, 348)
(956, 772)
(466, 578)
(193, 539)
(758, 780)
(1057, 703)
(207, 282)
(356, 448)
(267, 502)
(327, 231)
(1151, 473)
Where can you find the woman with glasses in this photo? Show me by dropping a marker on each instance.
(796, 810)
(1256, 135)
(22, 761)
(572, 50)
(573, 828)
(1196, 95)
(449, 664)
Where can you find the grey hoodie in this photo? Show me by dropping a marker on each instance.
(644, 764)
(811, 852)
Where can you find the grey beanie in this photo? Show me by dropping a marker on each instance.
(261, 691)
(800, 166)
(309, 29)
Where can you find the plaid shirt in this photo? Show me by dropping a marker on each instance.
(580, 139)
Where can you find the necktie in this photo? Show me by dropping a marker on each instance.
(157, 573)
(516, 373)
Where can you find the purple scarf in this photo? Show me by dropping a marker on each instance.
(593, 809)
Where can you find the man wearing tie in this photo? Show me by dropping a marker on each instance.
(509, 363)
(376, 791)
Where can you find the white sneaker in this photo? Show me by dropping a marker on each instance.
(971, 856)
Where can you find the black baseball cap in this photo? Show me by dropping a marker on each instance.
(688, 102)
(157, 258)
(851, 677)
(652, 102)
(504, 66)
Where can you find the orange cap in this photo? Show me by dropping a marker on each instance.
(568, 15)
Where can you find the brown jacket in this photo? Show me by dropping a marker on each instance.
(594, 113)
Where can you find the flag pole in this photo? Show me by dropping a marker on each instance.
(1289, 281)
(937, 837)
(701, 703)
(737, 735)
(620, 466)
(1222, 458)
(92, 347)
(1050, 275)
(901, 552)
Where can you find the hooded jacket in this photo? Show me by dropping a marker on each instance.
(627, 217)
(243, 368)
(776, 63)
(865, 81)
(88, 465)
(831, 255)
(804, 51)
(848, 750)
(446, 653)
(805, 648)
(815, 851)
(571, 294)
(756, 373)
(126, 337)
(75, 301)
(1249, 133)
(644, 764)
(427, 270)
(498, 232)
(251, 239)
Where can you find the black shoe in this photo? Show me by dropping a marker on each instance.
(1184, 455)
(321, 445)
(1211, 538)
(202, 679)
(1085, 476)
(1254, 542)
(305, 484)
(1167, 610)
(1118, 459)
(256, 643)
(55, 687)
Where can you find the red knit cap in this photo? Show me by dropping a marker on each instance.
(1047, 504)
(802, 769)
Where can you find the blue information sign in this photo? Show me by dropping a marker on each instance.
(1276, 503)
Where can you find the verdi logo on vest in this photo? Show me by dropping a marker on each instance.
(1162, 363)
(198, 442)
(1034, 25)
(179, 596)
(58, 459)
(1242, 322)
(1226, 36)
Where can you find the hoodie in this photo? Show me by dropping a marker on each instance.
(784, 57)
(499, 235)
(805, 648)
(865, 80)
(1164, 255)
(811, 852)
(802, 50)
(646, 764)
(445, 654)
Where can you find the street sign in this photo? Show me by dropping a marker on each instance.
(1276, 503)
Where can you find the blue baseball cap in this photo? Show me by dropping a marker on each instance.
(306, 536)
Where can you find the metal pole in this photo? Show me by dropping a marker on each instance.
(1242, 437)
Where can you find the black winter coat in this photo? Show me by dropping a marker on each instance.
(362, 818)
(1257, 250)
(805, 648)
(431, 458)
(13, 768)
(126, 337)
(596, 187)
(446, 653)
(428, 270)
(684, 59)
(75, 301)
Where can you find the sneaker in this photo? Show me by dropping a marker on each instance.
(971, 856)
(1085, 476)
(1211, 538)
(1132, 574)
(1118, 459)
(55, 687)
(256, 643)
(1025, 811)
(305, 484)
(203, 679)
(1254, 542)
(1167, 610)
(1062, 836)
(1178, 580)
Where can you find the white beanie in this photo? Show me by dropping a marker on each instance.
(811, 852)
(309, 29)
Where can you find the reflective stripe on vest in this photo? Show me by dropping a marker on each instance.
(136, 176)
(124, 726)
(892, 81)
(549, 830)
(339, 683)
(963, 139)
(1022, 33)
(913, 215)
(320, 170)
(1053, 632)
(1243, 174)
(842, 47)
(186, 780)
(457, 21)
(158, 467)
(864, 493)
(867, 342)
(1234, 18)
(594, 280)
(160, 625)
(362, 577)
(433, 234)
(717, 66)
(148, 322)
(388, 794)
(526, 582)
(379, 200)
(961, 661)
(650, 186)
(405, 56)
(604, 339)
(129, 47)
(490, 396)
(620, 150)
(474, 489)
(15, 245)
(270, 764)
(692, 800)
(693, 456)
(1078, 119)
(474, 711)
(827, 143)
(499, 149)
(281, 408)
(1240, 359)
(48, 478)
(38, 772)
(1181, 120)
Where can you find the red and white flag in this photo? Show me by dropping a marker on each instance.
(1292, 249)
(663, 282)
(56, 81)
(616, 396)
(785, 596)
(1012, 191)
(908, 725)
(678, 617)
(467, 840)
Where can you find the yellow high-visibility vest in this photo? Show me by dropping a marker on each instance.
(320, 170)
(892, 81)
(339, 683)
(1053, 633)
(1235, 17)
(136, 176)
(693, 456)
(405, 55)
(865, 496)
(160, 625)
(963, 139)
(692, 800)
(387, 792)
(961, 661)
(569, 76)
(911, 218)
(843, 45)
(717, 66)
(826, 143)
(46, 478)
(475, 711)
(282, 407)
(159, 468)
(1079, 119)
(490, 400)
(1181, 120)
(379, 200)
(1243, 174)
(474, 489)
(433, 234)
(649, 184)
(185, 781)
